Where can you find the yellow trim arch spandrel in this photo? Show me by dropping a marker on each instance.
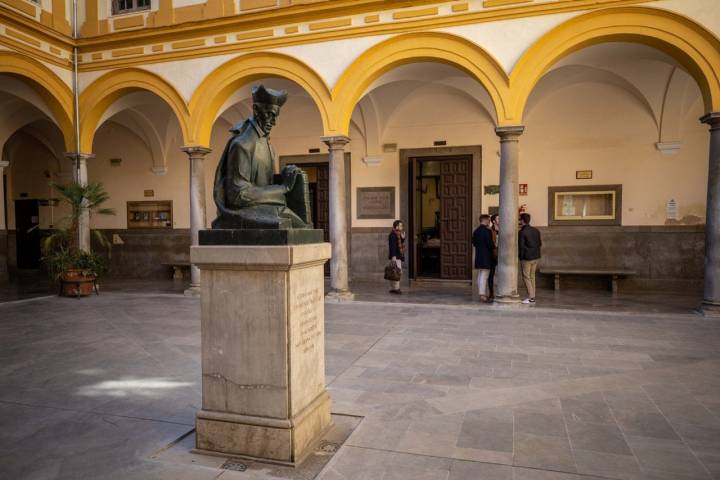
(106, 90)
(420, 47)
(48, 85)
(690, 44)
(224, 81)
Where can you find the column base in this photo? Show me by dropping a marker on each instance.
(340, 296)
(710, 310)
(282, 441)
(192, 291)
(507, 299)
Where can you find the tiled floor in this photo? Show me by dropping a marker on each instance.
(91, 388)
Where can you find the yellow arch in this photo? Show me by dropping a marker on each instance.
(49, 86)
(686, 41)
(103, 92)
(419, 47)
(226, 79)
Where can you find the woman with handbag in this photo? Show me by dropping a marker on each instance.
(396, 247)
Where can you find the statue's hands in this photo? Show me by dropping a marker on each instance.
(289, 176)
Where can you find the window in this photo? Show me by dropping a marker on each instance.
(591, 205)
(126, 6)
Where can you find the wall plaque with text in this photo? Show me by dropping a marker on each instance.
(376, 202)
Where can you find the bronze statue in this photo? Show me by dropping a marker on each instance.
(247, 192)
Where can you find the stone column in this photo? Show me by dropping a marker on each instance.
(4, 276)
(506, 277)
(197, 206)
(711, 297)
(80, 176)
(339, 289)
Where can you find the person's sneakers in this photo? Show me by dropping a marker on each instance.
(396, 292)
(529, 301)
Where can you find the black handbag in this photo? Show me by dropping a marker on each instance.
(393, 272)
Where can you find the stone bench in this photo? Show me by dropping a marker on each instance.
(613, 273)
(178, 269)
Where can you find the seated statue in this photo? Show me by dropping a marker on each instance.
(247, 192)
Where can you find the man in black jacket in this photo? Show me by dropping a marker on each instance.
(484, 258)
(529, 244)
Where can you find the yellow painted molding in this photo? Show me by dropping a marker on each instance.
(255, 4)
(190, 13)
(341, 22)
(55, 51)
(90, 27)
(224, 81)
(124, 52)
(106, 90)
(220, 39)
(260, 43)
(22, 6)
(22, 37)
(372, 18)
(157, 48)
(291, 30)
(59, 17)
(424, 12)
(689, 43)
(255, 34)
(460, 7)
(48, 85)
(97, 56)
(417, 47)
(124, 23)
(188, 44)
(503, 3)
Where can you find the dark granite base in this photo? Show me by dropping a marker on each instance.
(260, 237)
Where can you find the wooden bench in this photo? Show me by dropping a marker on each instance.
(178, 268)
(613, 273)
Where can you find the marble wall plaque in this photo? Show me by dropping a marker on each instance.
(376, 203)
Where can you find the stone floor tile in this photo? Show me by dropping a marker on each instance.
(543, 452)
(644, 424)
(606, 464)
(463, 470)
(540, 424)
(490, 429)
(587, 408)
(605, 438)
(672, 457)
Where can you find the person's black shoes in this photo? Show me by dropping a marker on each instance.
(396, 292)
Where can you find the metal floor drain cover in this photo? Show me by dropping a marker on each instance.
(329, 447)
(234, 465)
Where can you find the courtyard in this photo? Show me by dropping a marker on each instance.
(108, 387)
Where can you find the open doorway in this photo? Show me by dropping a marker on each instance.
(440, 203)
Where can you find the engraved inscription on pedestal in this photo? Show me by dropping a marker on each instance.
(376, 203)
(307, 364)
(305, 307)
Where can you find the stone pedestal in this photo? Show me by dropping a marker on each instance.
(263, 349)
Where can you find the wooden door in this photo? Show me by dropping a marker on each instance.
(322, 211)
(455, 222)
(28, 233)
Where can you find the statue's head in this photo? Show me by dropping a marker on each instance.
(266, 106)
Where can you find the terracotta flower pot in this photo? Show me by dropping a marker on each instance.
(77, 283)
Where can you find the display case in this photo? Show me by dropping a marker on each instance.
(150, 214)
(587, 205)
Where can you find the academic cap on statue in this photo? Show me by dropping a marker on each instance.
(268, 96)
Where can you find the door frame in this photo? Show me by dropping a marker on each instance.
(407, 188)
(319, 159)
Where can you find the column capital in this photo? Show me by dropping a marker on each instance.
(336, 141)
(79, 156)
(195, 150)
(509, 132)
(712, 119)
(4, 164)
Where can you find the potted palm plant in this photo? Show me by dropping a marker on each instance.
(76, 269)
